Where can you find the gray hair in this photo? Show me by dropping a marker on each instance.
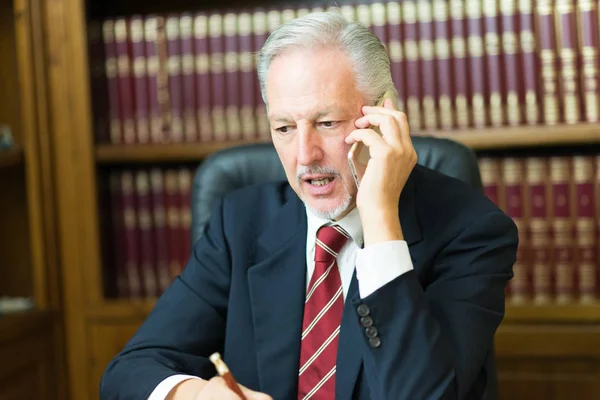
(368, 56)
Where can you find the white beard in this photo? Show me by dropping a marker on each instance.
(340, 208)
(336, 212)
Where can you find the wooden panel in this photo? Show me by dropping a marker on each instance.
(15, 257)
(27, 341)
(561, 379)
(105, 341)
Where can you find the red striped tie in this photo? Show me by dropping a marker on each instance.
(322, 317)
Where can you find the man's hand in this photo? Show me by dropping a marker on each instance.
(213, 389)
(392, 159)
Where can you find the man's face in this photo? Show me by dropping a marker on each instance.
(313, 104)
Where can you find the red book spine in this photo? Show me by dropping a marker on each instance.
(567, 45)
(426, 50)
(118, 223)
(98, 80)
(145, 227)
(412, 65)
(494, 62)
(541, 243)
(549, 68)
(163, 80)
(491, 179)
(529, 63)
(475, 49)
(288, 14)
(562, 229)
(174, 77)
(347, 10)
(131, 236)
(589, 48)
(379, 20)
(161, 234)
(510, 49)
(520, 287)
(459, 64)
(188, 75)
(363, 14)
(259, 29)
(395, 51)
(173, 207)
(185, 195)
(203, 78)
(217, 70)
(125, 81)
(443, 63)
(232, 77)
(140, 84)
(152, 64)
(586, 200)
(247, 76)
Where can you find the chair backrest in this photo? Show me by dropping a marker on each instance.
(236, 167)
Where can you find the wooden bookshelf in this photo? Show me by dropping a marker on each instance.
(11, 158)
(98, 327)
(480, 139)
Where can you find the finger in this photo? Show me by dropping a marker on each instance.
(252, 395)
(367, 136)
(388, 125)
(399, 116)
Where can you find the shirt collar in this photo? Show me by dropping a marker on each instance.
(350, 223)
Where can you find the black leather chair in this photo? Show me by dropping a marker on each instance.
(240, 166)
(236, 167)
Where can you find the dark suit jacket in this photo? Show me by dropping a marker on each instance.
(242, 294)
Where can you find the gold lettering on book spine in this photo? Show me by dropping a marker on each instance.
(393, 13)
(440, 10)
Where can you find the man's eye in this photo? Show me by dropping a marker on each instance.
(283, 129)
(328, 124)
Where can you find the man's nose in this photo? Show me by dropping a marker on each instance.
(309, 146)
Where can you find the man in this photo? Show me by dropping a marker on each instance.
(313, 289)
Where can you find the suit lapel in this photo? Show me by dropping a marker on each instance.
(277, 289)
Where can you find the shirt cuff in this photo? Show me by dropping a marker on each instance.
(381, 263)
(163, 389)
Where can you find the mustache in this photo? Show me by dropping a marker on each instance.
(315, 169)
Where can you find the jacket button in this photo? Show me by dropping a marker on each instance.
(375, 342)
(363, 310)
(371, 332)
(366, 321)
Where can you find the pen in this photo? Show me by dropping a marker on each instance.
(224, 372)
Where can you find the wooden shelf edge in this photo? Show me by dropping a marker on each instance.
(477, 139)
(17, 324)
(525, 136)
(12, 157)
(568, 313)
(169, 152)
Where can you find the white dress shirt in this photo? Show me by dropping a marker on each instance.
(376, 266)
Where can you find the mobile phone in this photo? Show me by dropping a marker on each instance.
(359, 155)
